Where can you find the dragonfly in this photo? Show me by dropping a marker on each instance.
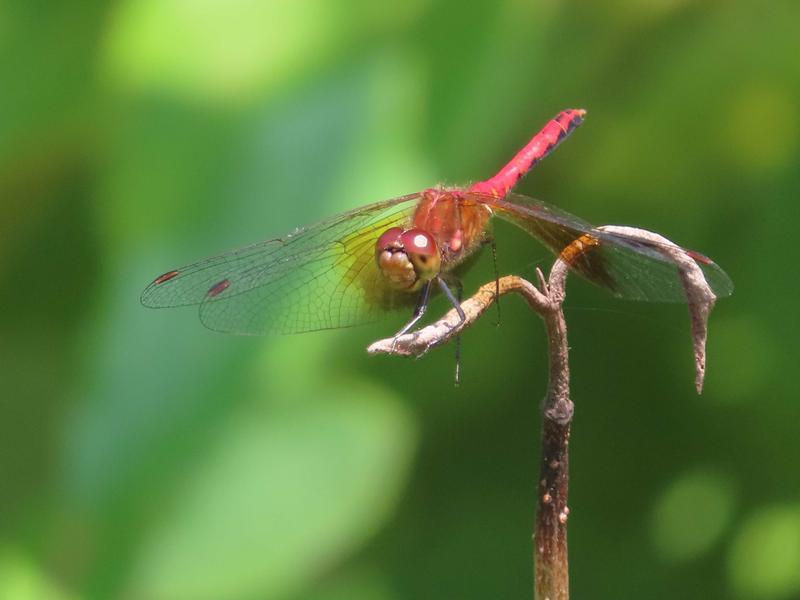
(361, 265)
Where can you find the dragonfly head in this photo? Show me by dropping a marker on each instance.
(407, 258)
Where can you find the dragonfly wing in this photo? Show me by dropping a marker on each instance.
(636, 269)
(625, 265)
(320, 277)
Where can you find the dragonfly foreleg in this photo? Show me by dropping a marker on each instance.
(460, 291)
(455, 282)
(456, 304)
(419, 311)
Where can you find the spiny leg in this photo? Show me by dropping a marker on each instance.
(496, 280)
(490, 241)
(460, 294)
(456, 304)
(419, 311)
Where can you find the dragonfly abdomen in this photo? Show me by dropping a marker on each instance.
(542, 144)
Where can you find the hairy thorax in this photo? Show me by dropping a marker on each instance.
(455, 220)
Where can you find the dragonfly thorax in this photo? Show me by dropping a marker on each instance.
(407, 258)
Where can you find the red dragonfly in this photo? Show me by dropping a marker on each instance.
(357, 266)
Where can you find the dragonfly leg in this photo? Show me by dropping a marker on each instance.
(496, 280)
(419, 311)
(460, 293)
(445, 281)
(454, 282)
(456, 304)
(490, 241)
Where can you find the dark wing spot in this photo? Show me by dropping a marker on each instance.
(218, 288)
(165, 277)
(697, 257)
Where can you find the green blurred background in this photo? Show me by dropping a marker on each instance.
(144, 457)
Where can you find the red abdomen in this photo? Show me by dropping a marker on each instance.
(542, 144)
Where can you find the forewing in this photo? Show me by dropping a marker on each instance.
(626, 266)
(320, 277)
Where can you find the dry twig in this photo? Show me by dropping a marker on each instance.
(550, 536)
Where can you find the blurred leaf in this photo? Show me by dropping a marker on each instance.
(764, 560)
(692, 514)
(48, 91)
(220, 50)
(353, 584)
(755, 143)
(22, 579)
(738, 380)
(281, 497)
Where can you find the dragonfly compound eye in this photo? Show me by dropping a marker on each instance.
(407, 258)
(393, 261)
(389, 240)
(423, 253)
